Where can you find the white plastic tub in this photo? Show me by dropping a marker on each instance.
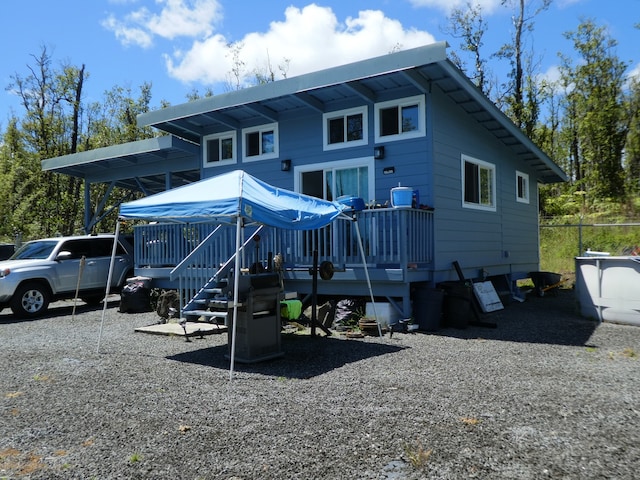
(608, 288)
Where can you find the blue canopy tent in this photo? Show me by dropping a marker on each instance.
(233, 195)
(227, 199)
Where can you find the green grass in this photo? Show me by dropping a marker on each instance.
(560, 244)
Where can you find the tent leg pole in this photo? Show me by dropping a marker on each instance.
(236, 291)
(106, 294)
(314, 293)
(366, 274)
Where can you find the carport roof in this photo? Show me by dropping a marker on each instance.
(147, 165)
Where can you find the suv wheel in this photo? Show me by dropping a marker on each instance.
(30, 300)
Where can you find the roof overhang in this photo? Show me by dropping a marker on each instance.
(410, 71)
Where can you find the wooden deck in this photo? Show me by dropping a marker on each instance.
(397, 245)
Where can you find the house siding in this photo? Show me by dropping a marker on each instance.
(499, 242)
(301, 141)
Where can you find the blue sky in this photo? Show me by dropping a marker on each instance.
(181, 45)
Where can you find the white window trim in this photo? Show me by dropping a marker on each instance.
(402, 102)
(349, 163)
(344, 114)
(480, 163)
(219, 136)
(260, 129)
(525, 177)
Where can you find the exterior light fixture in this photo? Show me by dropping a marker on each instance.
(378, 152)
(285, 165)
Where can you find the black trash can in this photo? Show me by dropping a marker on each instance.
(427, 307)
(457, 304)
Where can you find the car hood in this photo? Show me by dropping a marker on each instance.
(26, 263)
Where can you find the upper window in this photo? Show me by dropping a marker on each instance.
(345, 128)
(478, 184)
(260, 143)
(400, 119)
(219, 149)
(522, 187)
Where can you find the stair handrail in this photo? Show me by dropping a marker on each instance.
(221, 270)
(226, 265)
(178, 269)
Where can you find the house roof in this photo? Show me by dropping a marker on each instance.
(144, 165)
(417, 70)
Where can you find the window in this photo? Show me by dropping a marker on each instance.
(345, 128)
(331, 180)
(522, 187)
(400, 119)
(260, 143)
(219, 149)
(478, 184)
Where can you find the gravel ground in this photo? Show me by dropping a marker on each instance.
(546, 394)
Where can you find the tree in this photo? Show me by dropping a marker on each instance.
(45, 202)
(596, 123)
(57, 122)
(521, 98)
(632, 145)
(468, 25)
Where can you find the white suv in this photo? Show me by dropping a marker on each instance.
(51, 269)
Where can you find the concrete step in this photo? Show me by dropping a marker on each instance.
(203, 313)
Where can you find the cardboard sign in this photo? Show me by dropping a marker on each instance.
(487, 296)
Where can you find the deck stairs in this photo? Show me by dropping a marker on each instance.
(211, 303)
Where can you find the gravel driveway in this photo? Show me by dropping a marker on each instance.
(546, 394)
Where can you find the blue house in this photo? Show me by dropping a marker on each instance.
(358, 131)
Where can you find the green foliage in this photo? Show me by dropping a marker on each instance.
(562, 239)
(56, 122)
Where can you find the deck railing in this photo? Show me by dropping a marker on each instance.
(390, 238)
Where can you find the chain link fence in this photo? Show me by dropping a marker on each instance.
(562, 241)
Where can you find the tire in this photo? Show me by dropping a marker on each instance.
(30, 300)
(92, 300)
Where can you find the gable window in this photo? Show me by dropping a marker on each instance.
(260, 143)
(400, 119)
(219, 149)
(478, 184)
(345, 128)
(522, 187)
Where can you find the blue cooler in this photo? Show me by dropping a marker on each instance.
(402, 197)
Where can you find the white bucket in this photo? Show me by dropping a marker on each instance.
(401, 197)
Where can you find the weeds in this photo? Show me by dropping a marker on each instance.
(417, 455)
(136, 457)
(470, 420)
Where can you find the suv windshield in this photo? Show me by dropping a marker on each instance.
(35, 250)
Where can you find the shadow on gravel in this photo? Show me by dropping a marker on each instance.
(65, 309)
(304, 356)
(552, 319)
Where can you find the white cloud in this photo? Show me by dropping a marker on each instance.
(128, 35)
(186, 18)
(488, 6)
(182, 18)
(635, 73)
(311, 38)
(551, 75)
